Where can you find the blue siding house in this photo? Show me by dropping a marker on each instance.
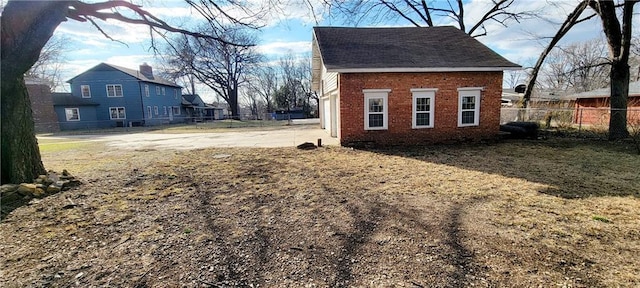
(113, 96)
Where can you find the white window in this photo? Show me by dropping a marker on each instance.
(469, 106)
(117, 113)
(375, 109)
(163, 92)
(73, 114)
(114, 90)
(146, 90)
(165, 109)
(175, 94)
(85, 90)
(155, 110)
(149, 115)
(423, 108)
(157, 90)
(176, 110)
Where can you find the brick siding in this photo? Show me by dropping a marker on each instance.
(399, 130)
(44, 116)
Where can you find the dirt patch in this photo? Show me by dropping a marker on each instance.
(440, 216)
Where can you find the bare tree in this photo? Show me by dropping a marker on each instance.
(264, 82)
(421, 13)
(220, 65)
(579, 67)
(26, 28)
(49, 64)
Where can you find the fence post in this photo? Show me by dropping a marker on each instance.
(580, 119)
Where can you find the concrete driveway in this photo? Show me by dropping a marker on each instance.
(286, 136)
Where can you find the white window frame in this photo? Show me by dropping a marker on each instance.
(175, 94)
(164, 92)
(66, 113)
(149, 115)
(176, 109)
(82, 87)
(115, 90)
(429, 93)
(376, 94)
(469, 92)
(165, 109)
(155, 110)
(146, 90)
(124, 113)
(158, 90)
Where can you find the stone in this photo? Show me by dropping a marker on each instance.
(10, 196)
(9, 188)
(39, 192)
(27, 189)
(52, 189)
(53, 176)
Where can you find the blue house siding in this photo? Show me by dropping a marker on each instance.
(135, 99)
(160, 101)
(85, 112)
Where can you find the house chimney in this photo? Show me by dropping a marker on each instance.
(146, 70)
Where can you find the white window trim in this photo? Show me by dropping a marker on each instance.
(155, 110)
(124, 110)
(376, 93)
(423, 93)
(164, 92)
(146, 90)
(165, 110)
(149, 112)
(177, 109)
(115, 91)
(158, 90)
(465, 92)
(82, 91)
(67, 114)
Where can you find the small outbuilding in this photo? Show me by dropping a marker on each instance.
(406, 86)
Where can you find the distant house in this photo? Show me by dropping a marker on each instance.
(197, 110)
(593, 107)
(406, 86)
(44, 117)
(120, 97)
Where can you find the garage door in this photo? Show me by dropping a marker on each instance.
(327, 114)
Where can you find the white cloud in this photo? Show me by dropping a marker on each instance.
(284, 47)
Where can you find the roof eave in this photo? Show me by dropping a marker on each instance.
(422, 69)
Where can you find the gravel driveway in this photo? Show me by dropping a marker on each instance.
(287, 136)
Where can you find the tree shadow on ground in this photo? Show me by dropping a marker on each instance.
(571, 167)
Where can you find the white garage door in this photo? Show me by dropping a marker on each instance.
(327, 114)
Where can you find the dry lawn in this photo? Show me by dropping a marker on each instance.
(513, 214)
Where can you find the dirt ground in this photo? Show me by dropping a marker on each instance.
(511, 214)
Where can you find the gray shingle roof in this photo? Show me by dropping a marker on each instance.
(66, 99)
(433, 48)
(135, 73)
(634, 90)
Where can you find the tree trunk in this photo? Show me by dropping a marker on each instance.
(619, 90)
(26, 28)
(233, 104)
(21, 160)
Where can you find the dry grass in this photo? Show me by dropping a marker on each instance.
(519, 214)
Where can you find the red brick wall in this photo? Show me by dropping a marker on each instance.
(44, 116)
(399, 130)
(596, 111)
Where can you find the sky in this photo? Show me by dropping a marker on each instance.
(289, 30)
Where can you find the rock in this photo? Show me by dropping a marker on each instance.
(9, 188)
(27, 189)
(53, 176)
(307, 146)
(52, 189)
(10, 196)
(39, 192)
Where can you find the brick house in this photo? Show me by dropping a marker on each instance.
(44, 117)
(594, 108)
(406, 86)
